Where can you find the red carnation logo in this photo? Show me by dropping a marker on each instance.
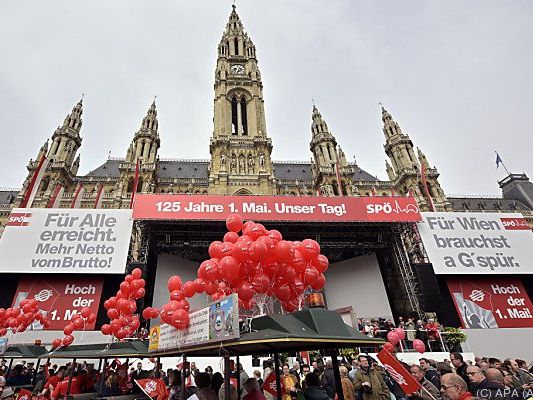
(18, 219)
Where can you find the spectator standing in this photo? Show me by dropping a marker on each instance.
(369, 382)
(410, 332)
(290, 382)
(432, 328)
(175, 387)
(313, 390)
(431, 374)
(523, 377)
(459, 365)
(253, 392)
(495, 363)
(355, 365)
(203, 383)
(453, 387)
(420, 332)
(17, 377)
(347, 385)
(328, 380)
(428, 391)
(257, 376)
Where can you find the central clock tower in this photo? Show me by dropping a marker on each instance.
(240, 149)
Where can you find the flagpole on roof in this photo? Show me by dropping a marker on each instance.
(500, 161)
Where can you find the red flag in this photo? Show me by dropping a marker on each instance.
(99, 196)
(135, 183)
(398, 372)
(154, 388)
(426, 188)
(269, 385)
(35, 181)
(24, 394)
(337, 172)
(55, 200)
(78, 195)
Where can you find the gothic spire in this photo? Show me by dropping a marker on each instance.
(149, 122)
(73, 120)
(390, 127)
(319, 125)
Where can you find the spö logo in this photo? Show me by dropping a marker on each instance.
(43, 295)
(18, 219)
(477, 295)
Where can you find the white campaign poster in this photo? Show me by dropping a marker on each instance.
(67, 241)
(477, 243)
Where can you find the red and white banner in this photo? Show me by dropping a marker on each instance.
(60, 299)
(35, 182)
(269, 385)
(78, 196)
(154, 388)
(491, 303)
(99, 196)
(402, 377)
(55, 200)
(47, 240)
(276, 208)
(477, 243)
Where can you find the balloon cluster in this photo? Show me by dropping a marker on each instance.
(176, 311)
(79, 322)
(395, 336)
(121, 307)
(17, 319)
(259, 263)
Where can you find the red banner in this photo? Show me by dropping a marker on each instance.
(60, 299)
(154, 388)
(269, 385)
(276, 208)
(491, 303)
(406, 381)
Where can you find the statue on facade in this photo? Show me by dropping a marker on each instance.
(223, 159)
(261, 160)
(233, 164)
(251, 164)
(241, 165)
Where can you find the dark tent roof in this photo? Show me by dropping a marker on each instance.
(309, 329)
(101, 350)
(23, 351)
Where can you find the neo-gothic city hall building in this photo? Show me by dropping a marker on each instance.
(240, 150)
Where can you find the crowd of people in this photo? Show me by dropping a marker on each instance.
(362, 379)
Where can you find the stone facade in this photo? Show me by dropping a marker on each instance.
(240, 152)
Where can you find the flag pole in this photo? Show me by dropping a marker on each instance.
(501, 162)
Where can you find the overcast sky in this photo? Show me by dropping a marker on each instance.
(456, 75)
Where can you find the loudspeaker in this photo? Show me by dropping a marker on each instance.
(431, 296)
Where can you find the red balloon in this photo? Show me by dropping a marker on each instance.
(274, 235)
(247, 226)
(26, 307)
(297, 261)
(310, 249)
(289, 274)
(282, 292)
(15, 312)
(147, 313)
(289, 306)
(231, 237)
(122, 304)
(241, 251)
(321, 263)
(214, 249)
(211, 270)
(189, 289)
(283, 251)
(319, 283)
(136, 284)
(226, 249)
(121, 333)
(177, 295)
(210, 288)
(78, 324)
(260, 283)
(245, 239)
(68, 329)
(139, 294)
(229, 266)
(200, 285)
(234, 223)
(298, 287)
(389, 347)
(256, 231)
(419, 345)
(125, 288)
(271, 268)
(112, 313)
(137, 273)
(400, 332)
(174, 283)
(245, 291)
(393, 338)
(310, 275)
(180, 319)
(85, 312)
(56, 343)
(91, 318)
(258, 251)
(268, 243)
(129, 278)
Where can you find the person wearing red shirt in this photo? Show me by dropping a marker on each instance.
(52, 382)
(76, 387)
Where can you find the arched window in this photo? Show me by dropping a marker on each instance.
(45, 184)
(236, 44)
(344, 189)
(335, 188)
(130, 185)
(244, 117)
(234, 104)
